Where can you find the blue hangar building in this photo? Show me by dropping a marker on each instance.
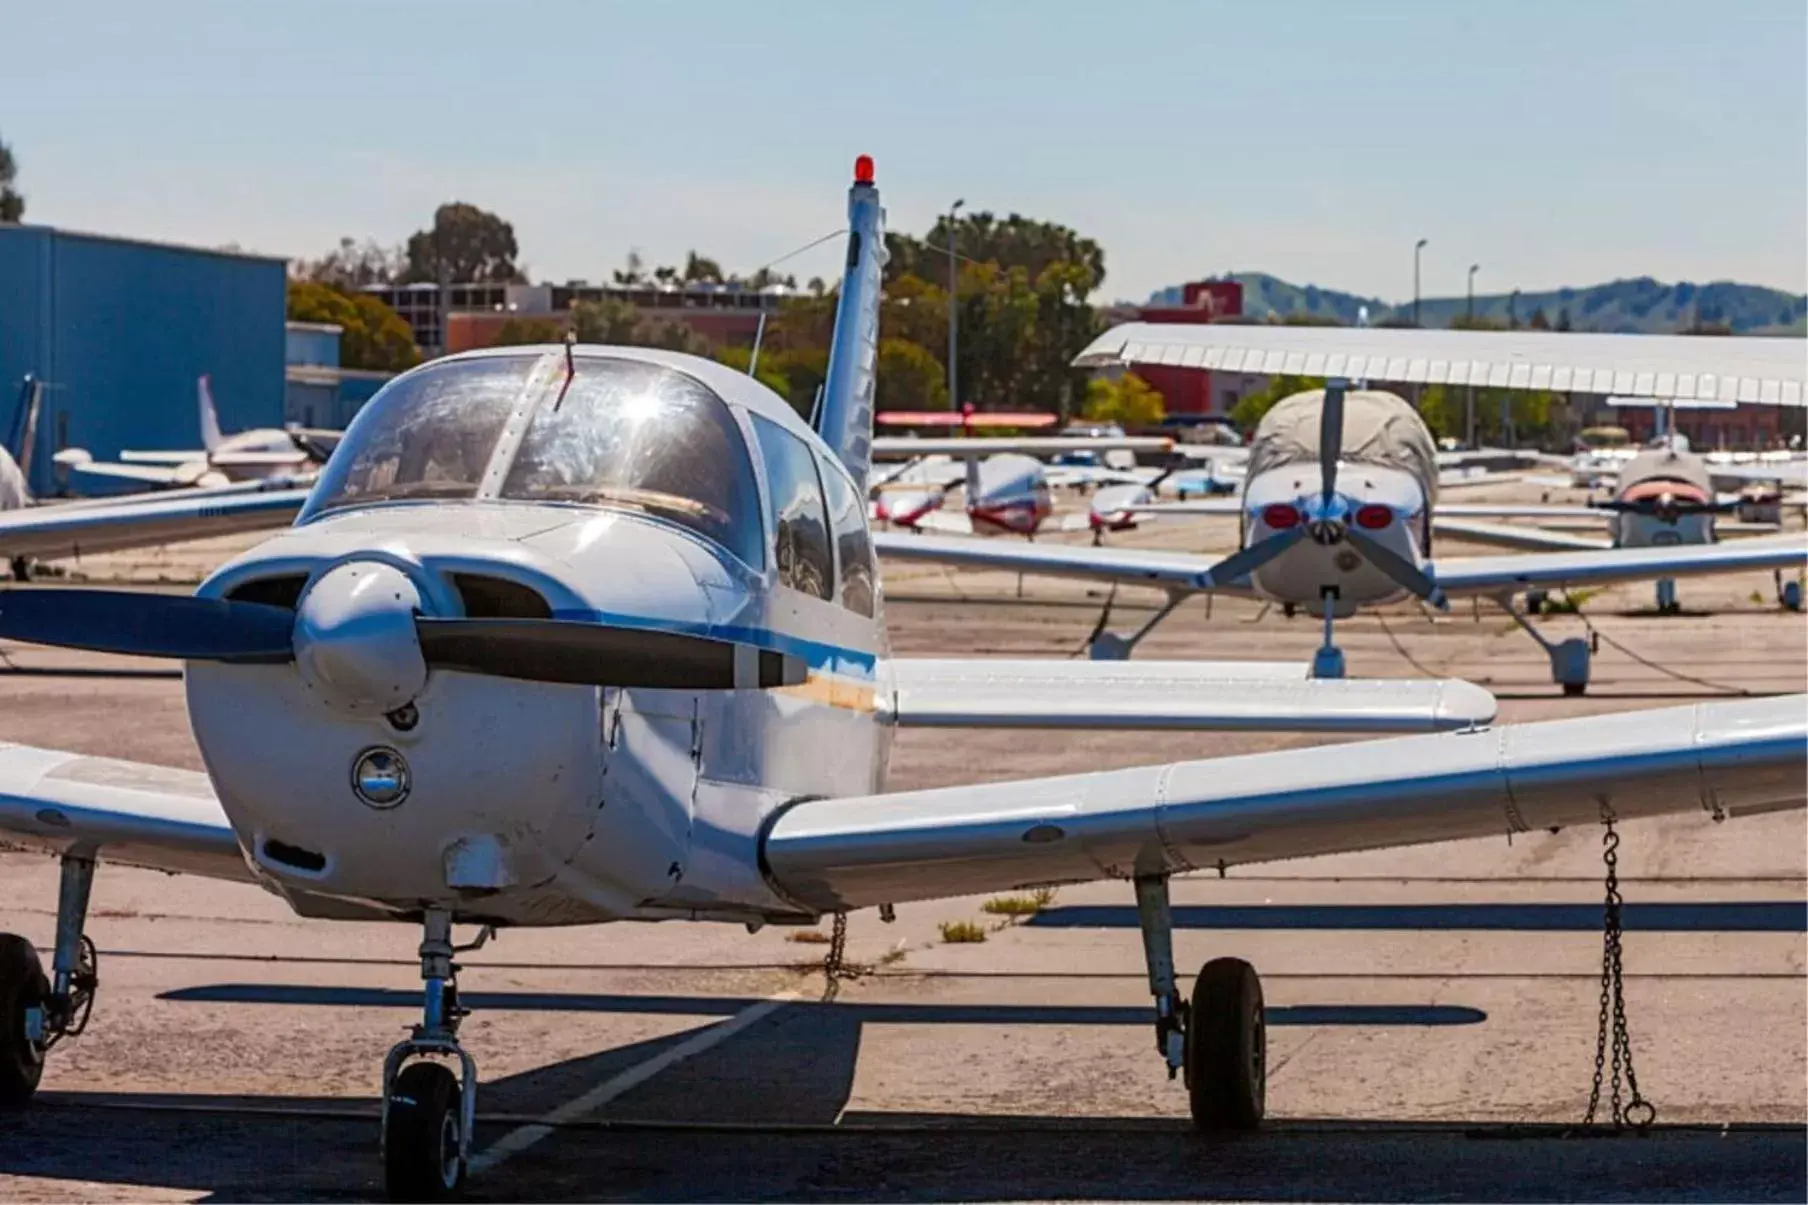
(119, 330)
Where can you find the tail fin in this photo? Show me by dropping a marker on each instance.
(210, 418)
(844, 417)
(31, 399)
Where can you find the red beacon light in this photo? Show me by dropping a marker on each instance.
(1374, 516)
(1280, 516)
(863, 169)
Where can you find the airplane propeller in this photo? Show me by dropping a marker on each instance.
(1330, 439)
(575, 652)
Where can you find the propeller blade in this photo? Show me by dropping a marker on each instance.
(143, 624)
(1403, 572)
(592, 654)
(1330, 438)
(1240, 565)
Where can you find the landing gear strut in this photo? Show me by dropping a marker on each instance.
(36, 1013)
(1109, 646)
(1666, 595)
(1327, 662)
(428, 1112)
(1220, 1040)
(1569, 658)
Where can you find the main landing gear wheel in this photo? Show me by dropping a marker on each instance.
(1227, 1048)
(23, 993)
(423, 1135)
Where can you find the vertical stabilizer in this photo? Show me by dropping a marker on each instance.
(15, 457)
(32, 400)
(844, 418)
(211, 438)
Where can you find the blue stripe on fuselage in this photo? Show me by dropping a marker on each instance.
(823, 658)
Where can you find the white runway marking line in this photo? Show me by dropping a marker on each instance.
(523, 1137)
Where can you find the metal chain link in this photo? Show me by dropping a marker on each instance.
(1613, 1041)
(835, 966)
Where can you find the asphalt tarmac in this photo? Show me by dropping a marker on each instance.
(1433, 1011)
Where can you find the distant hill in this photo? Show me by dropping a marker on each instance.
(1640, 306)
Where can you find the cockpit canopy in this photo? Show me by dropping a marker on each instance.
(611, 432)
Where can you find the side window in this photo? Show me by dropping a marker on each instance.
(800, 522)
(853, 550)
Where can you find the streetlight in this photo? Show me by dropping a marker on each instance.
(1469, 390)
(1417, 247)
(953, 309)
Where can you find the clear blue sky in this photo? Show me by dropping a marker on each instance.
(1554, 141)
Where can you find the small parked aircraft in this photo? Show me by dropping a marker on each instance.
(571, 635)
(258, 454)
(1338, 514)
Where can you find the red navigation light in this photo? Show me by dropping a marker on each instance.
(1374, 516)
(1280, 516)
(863, 169)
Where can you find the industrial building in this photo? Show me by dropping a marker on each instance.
(317, 392)
(120, 329)
(473, 312)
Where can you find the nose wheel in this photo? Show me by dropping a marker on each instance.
(429, 1111)
(37, 1012)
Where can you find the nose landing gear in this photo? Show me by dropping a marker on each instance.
(1220, 1039)
(429, 1112)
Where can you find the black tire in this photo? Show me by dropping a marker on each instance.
(421, 1140)
(1227, 1048)
(22, 987)
(1573, 689)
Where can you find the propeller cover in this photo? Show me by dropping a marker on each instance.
(356, 647)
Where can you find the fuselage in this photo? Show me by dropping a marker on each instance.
(529, 802)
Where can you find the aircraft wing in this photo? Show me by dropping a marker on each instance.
(1545, 570)
(1792, 473)
(1723, 759)
(253, 460)
(1729, 369)
(1510, 510)
(1517, 535)
(1201, 506)
(1462, 479)
(147, 473)
(891, 447)
(1129, 566)
(1178, 695)
(135, 457)
(140, 815)
(49, 532)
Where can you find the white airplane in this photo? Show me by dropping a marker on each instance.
(258, 454)
(1337, 515)
(440, 699)
(33, 530)
(1007, 487)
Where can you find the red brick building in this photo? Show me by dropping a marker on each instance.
(1191, 390)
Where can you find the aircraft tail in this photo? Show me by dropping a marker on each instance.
(844, 416)
(211, 438)
(22, 438)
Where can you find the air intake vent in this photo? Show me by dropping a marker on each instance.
(499, 598)
(283, 590)
(295, 856)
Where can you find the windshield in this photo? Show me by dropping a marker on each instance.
(428, 435)
(645, 437)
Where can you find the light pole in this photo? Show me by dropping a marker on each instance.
(953, 310)
(1469, 391)
(1417, 247)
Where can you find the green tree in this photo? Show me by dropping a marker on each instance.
(1249, 411)
(352, 265)
(701, 268)
(605, 321)
(471, 243)
(1128, 400)
(909, 378)
(523, 332)
(1535, 414)
(373, 336)
(770, 373)
(12, 202)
